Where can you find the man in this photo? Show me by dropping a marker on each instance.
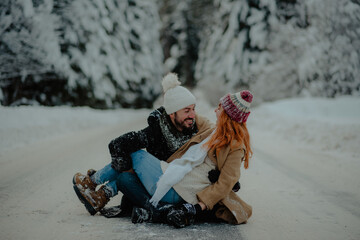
(169, 127)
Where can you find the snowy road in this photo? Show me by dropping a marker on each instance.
(38, 202)
(296, 192)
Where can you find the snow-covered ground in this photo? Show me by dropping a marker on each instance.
(21, 126)
(327, 125)
(303, 181)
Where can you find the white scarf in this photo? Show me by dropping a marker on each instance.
(178, 168)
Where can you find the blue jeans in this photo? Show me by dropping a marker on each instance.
(148, 169)
(107, 174)
(137, 187)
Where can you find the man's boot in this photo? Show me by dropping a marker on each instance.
(94, 201)
(85, 181)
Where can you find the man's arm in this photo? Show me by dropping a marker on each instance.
(120, 148)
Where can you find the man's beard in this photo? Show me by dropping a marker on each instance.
(182, 125)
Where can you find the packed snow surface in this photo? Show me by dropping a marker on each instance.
(302, 182)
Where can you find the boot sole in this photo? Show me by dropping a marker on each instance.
(73, 180)
(82, 199)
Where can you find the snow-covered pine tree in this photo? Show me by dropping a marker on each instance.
(97, 53)
(31, 64)
(107, 53)
(184, 25)
(330, 65)
(282, 48)
(179, 39)
(238, 40)
(114, 47)
(314, 52)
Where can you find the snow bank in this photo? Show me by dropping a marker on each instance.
(25, 125)
(325, 124)
(322, 124)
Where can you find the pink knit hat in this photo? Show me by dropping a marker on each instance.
(237, 105)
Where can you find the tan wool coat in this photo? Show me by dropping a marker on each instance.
(232, 208)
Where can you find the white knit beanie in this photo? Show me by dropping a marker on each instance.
(175, 96)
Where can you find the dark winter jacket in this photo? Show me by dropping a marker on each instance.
(160, 138)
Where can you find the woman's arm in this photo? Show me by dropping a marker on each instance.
(229, 175)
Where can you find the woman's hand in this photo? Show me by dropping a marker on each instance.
(202, 205)
(213, 176)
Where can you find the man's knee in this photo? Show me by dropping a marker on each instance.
(138, 154)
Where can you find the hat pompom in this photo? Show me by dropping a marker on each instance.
(247, 96)
(170, 81)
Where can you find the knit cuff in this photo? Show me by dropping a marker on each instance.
(198, 208)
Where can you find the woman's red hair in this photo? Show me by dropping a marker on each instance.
(227, 131)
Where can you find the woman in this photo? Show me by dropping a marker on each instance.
(223, 148)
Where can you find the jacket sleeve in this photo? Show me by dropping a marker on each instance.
(120, 148)
(229, 175)
(203, 123)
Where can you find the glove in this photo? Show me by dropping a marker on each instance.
(182, 215)
(213, 176)
(122, 210)
(120, 164)
(114, 212)
(91, 172)
(236, 187)
(150, 213)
